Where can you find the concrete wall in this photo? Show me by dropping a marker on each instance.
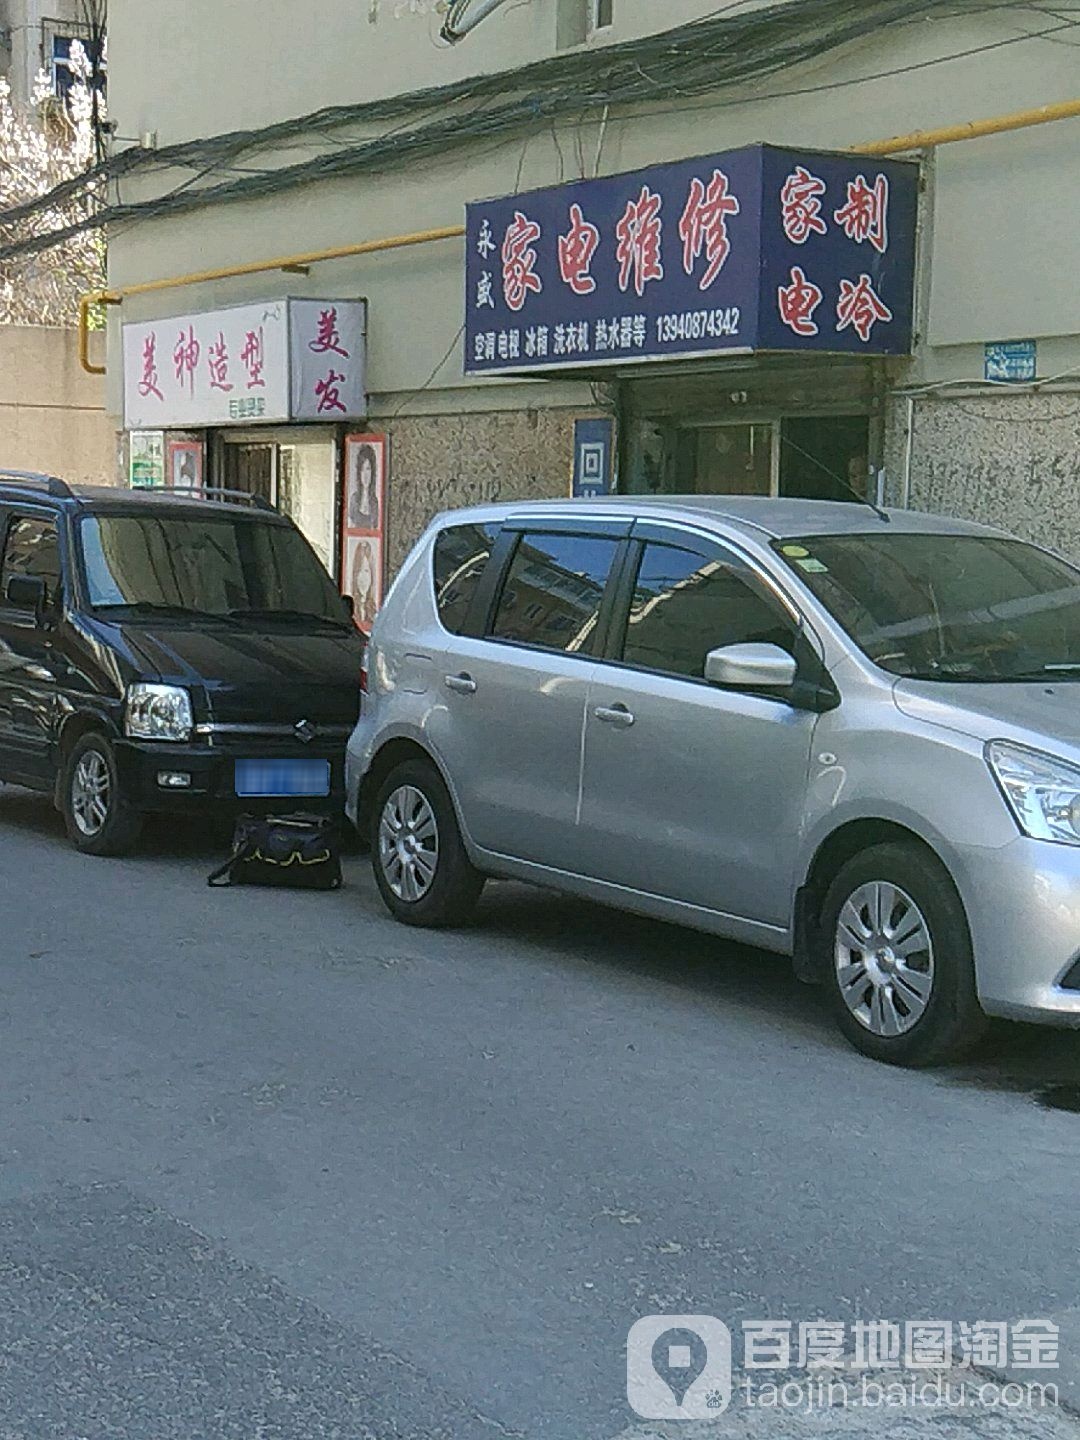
(441, 462)
(1006, 460)
(52, 414)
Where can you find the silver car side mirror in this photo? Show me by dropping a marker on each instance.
(751, 667)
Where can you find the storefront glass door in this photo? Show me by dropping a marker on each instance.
(296, 472)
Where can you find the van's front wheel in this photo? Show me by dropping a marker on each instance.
(99, 819)
(900, 967)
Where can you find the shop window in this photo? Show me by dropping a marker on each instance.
(685, 605)
(553, 592)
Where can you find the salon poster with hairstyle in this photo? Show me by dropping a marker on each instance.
(363, 525)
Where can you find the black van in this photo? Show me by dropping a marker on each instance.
(160, 652)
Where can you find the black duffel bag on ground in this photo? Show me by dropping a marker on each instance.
(299, 851)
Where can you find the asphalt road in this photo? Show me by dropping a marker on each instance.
(273, 1166)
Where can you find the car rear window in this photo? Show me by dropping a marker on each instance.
(461, 553)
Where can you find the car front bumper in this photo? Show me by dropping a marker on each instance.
(1023, 906)
(212, 772)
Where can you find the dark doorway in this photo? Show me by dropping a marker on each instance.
(825, 457)
(250, 468)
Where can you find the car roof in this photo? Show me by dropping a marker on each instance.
(776, 519)
(34, 485)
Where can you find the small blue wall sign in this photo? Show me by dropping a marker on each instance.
(593, 458)
(1016, 360)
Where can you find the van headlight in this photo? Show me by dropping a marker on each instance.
(1042, 791)
(158, 712)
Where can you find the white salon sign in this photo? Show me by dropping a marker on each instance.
(278, 361)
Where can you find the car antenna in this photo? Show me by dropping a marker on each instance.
(878, 510)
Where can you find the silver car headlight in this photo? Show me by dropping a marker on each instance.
(158, 712)
(1042, 791)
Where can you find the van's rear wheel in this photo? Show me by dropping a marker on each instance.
(421, 867)
(99, 819)
(899, 966)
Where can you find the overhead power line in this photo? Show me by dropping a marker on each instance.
(675, 66)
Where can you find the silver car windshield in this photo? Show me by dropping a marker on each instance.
(947, 607)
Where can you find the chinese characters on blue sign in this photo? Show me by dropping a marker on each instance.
(754, 249)
(1015, 360)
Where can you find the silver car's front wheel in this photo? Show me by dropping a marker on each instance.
(884, 959)
(896, 954)
(408, 843)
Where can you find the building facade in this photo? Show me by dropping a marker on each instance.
(36, 38)
(976, 412)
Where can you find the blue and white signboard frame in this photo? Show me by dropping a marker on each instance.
(594, 459)
(753, 249)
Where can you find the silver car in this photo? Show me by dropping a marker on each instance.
(848, 735)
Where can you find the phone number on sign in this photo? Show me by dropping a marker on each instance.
(698, 324)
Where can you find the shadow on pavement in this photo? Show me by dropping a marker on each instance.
(1036, 1061)
(28, 813)
(1032, 1060)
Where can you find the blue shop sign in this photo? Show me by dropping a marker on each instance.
(753, 249)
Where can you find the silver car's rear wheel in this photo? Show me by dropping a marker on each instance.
(408, 843)
(884, 959)
(418, 855)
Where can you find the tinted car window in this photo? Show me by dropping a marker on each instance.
(684, 606)
(32, 548)
(552, 594)
(460, 556)
(973, 608)
(209, 564)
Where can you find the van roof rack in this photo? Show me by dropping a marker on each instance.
(218, 492)
(51, 484)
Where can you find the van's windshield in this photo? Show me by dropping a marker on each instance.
(947, 607)
(228, 566)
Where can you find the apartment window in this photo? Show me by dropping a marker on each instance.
(57, 48)
(578, 19)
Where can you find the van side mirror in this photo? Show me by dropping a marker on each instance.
(28, 592)
(751, 667)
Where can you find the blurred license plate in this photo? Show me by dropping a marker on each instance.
(283, 777)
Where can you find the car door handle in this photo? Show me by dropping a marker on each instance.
(461, 684)
(614, 715)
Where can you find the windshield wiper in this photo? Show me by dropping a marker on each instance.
(305, 617)
(154, 607)
(1058, 670)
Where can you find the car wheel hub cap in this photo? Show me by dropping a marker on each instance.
(90, 790)
(884, 959)
(408, 843)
